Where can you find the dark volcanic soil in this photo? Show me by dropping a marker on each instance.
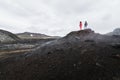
(81, 55)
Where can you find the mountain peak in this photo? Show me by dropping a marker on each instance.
(115, 32)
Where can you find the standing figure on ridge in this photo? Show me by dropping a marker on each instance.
(85, 25)
(80, 25)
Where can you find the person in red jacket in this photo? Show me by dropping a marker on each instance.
(80, 25)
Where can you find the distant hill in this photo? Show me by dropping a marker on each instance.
(6, 36)
(29, 35)
(115, 32)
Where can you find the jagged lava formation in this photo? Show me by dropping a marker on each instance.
(81, 55)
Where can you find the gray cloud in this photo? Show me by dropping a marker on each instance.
(58, 17)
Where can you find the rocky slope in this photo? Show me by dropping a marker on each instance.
(81, 55)
(9, 41)
(6, 36)
(115, 32)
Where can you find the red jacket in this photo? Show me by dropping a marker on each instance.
(80, 25)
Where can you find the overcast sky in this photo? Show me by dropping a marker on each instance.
(58, 17)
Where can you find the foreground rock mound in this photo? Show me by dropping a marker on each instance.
(81, 55)
(6, 37)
